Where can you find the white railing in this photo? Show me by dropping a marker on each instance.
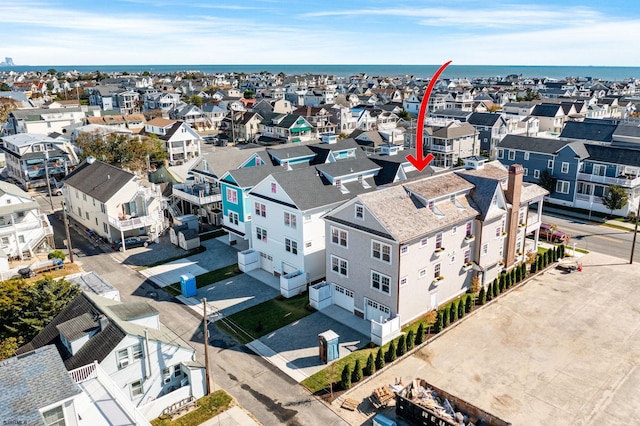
(196, 199)
(94, 371)
(442, 148)
(132, 223)
(384, 332)
(625, 182)
(155, 408)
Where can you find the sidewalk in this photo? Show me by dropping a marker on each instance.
(585, 217)
(234, 416)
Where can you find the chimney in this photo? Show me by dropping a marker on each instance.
(103, 321)
(514, 190)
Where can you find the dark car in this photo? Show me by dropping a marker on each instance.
(549, 234)
(131, 242)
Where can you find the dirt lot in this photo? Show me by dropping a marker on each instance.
(562, 350)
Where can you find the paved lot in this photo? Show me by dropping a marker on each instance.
(563, 349)
(236, 294)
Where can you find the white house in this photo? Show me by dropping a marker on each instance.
(181, 141)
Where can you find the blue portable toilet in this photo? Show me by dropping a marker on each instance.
(382, 420)
(188, 285)
(328, 343)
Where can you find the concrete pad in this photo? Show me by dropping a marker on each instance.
(298, 342)
(266, 278)
(562, 349)
(169, 273)
(234, 416)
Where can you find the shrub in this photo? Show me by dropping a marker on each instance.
(507, 283)
(411, 338)
(445, 317)
(420, 334)
(460, 308)
(513, 276)
(57, 254)
(356, 375)
(496, 289)
(518, 274)
(482, 297)
(468, 305)
(502, 282)
(489, 292)
(379, 360)
(438, 325)
(561, 251)
(523, 274)
(345, 381)
(534, 267)
(431, 318)
(540, 263)
(453, 312)
(402, 346)
(391, 352)
(370, 368)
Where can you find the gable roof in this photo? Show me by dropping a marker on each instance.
(546, 110)
(488, 119)
(532, 144)
(484, 188)
(592, 130)
(32, 381)
(613, 155)
(98, 179)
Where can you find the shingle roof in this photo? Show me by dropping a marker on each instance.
(484, 189)
(488, 119)
(32, 381)
(546, 110)
(627, 131)
(99, 180)
(613, 154)
(600, 131)
(342, 168)
(532, 144)
(78, 326)
(249, 176)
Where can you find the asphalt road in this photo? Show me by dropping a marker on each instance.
(594, 237)
(269, 395)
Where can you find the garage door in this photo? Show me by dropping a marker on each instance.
(343, 297)
(266, 262)
(376, 311)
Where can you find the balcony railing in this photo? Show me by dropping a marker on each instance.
(133, 223)
(441, 148)
(197, 197)
(624, 181)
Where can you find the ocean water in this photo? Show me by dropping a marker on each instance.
(425, 71)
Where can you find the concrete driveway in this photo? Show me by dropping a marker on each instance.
(563, 349)
(236, 294)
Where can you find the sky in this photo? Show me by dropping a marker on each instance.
(149, 32)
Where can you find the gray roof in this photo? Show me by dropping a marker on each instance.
(78, 326)
(134, 310)
(487, 119)
(592, 130)
(546, 110)
(484, 189)
(32, 381)
(532, 144)
(613, 155)
(451, 112)
(249, 176)
(99, 180)
(92, 282)
(627, 131)
(347, 167)
(291, 152)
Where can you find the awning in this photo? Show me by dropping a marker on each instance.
(300, 129)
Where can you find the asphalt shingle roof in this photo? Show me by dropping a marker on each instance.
(532, 144)
(600, 131)
(99, 180)
(546, 110)
(487, 119)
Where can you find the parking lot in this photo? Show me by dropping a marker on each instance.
(562, 350)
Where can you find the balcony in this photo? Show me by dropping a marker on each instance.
(197, 194)
(441, 148)
(107, 404)
(127, 224)
(626, 181)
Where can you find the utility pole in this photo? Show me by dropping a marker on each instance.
(46, 171)
(206, 347)
(635, 233)
(66, 228)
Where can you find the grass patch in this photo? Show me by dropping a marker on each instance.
(262, 319)
(69, 269)
(207, 278)
(208, 406)
(619, 227)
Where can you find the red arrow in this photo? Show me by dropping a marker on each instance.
(418, 161)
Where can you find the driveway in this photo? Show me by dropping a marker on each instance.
(562, 349)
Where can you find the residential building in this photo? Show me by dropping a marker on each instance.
(181, 141)
(319, 118)
(24, 231)
(30, 157)
(451, 143)
(284, 128)
(127, 343)
(191, 115)
(46, 120)
(491, 127)
(113, 203)
(551, 117)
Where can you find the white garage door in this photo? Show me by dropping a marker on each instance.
(375, 311)
(266, 262)
(343, 297)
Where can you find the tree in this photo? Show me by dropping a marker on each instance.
(453, 312)
(475, 285)
(391, 352)
(4, 87)
(121, 150)
(379, 360)
(370, 368)
(411, 339)
(8, 347)
(445, 317)
(405, 115)
(496, 288)
(439, 324)
(419, 335)
(402, 345)
(615, 197)
(343, 135)
(468, 304)
(195, 100)
(52, 71)
(345, 381)
(356, 375)
(6, 106)
(489, 292)
(249, 94)
(482, 297)
(460, 308)
(518, 274)
(547, 181)
(57, 254)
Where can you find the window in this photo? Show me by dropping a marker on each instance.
(422, 273)
(177, 371)
(498, 231)
(565, 167)
(485, 249)
(136, 388)
(232, 196)
(376, 305)
(404, 250)
(512, 155)
(549, 164)
(84, 197)
(102, 208)
(381, 251)
(122, 358)
(136, 351)
(339, 266)
(526, 156)
(307, 244)
(436, 270)
(403, 281)
(79, 212)
(86, 215)
(469, 229)
(339, 236)
(104, 227)
(273, 187)
(290, 220)
(21, 239)
(290, 246)
(454, 230)
(359, 211)
(562, 186)
(599, 169)
(500, 153)
(380, 282)
(233, 218)
(166, 372)
(525, 171)
(438, 240)
(423, 242)
(536, 174)
(467, 256)
(54, 417)
(261, 234)
(260, 209)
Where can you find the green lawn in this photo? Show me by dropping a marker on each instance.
(208, 406)
(262, 319)
(207, 278)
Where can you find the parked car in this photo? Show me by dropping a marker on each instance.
(549, 234)
(131, 242)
